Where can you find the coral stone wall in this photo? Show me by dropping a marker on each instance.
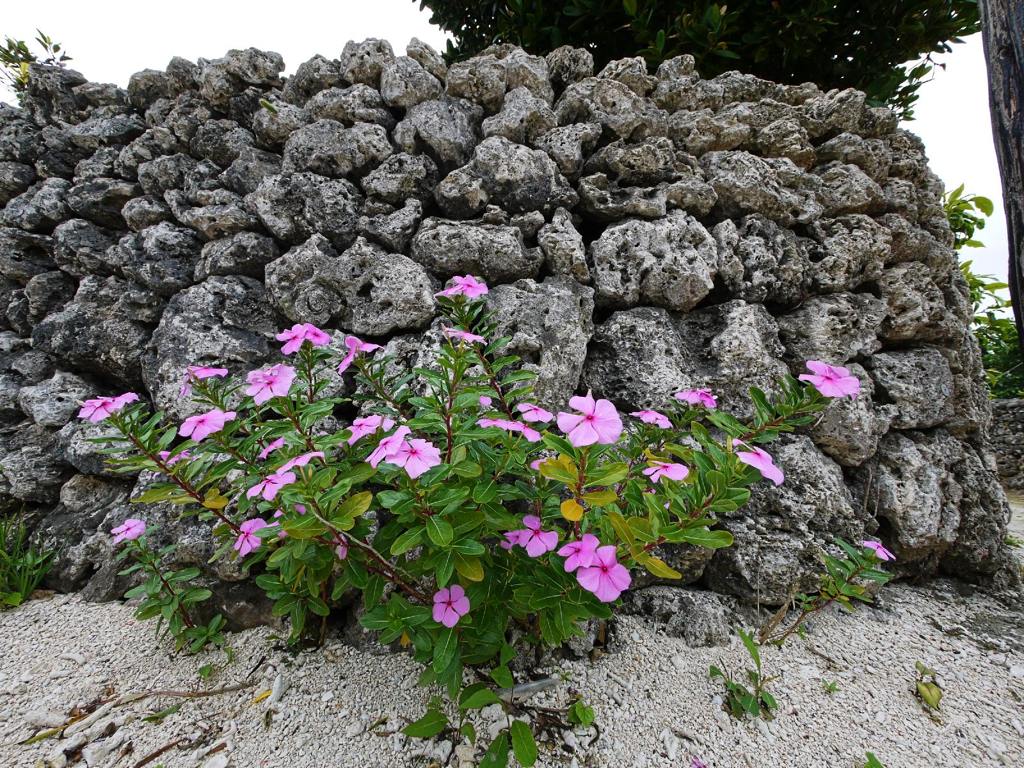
(1008, 441)
(642, 232)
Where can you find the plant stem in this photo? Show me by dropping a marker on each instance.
(166, 470)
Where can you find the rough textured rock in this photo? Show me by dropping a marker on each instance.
(494, 251)
(1008, 441)
(639, 357)
(785, 527)
(669, 262)
(223, 320)
(641, 232)
(549, 324)
(505, 174)
(365, 289)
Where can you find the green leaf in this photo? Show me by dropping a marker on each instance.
(658, 567)
(479, 698)
(930, 694)
(704, 537)
(411, 538)
(428, 726)
(601, 498)
(608, 474)
(581, 714)
(523, 745)
(355, 505)
(445, 650)
(304, 527)
(439, 531)
(467, 469)
(497, 754)
(751, 646)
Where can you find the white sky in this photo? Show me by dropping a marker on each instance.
(111, 39)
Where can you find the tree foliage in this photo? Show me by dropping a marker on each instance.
(863, 44)
(991, 323)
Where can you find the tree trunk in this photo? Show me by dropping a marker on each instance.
(1003, 34)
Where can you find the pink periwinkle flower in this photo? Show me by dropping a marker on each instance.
(534, 413)
(301, 460)
(340, 547)
(606, 578)
(247, 540)
(460, 335)
(580, 554)
(270, 485)
(697, 763)
(274, 381)
(761, 461)
(656, 418)
(531, 434)
(300, 332)
(270, 447)
(202, 425)
(367, 425)
(198, 373)
(512, 539)
(129, 530)
(99, 408)
(170, 461)
(596, 422)
(466, 285)
(416, 457)
(485, 401)
(388, 447)
(701, 397)
(831, 380)
(450, 605)
(534, 540)
(672, 471)
(355, 346)
(282, 534)
(535, 464)
(880, 551)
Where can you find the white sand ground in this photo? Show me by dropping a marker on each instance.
(654, 701)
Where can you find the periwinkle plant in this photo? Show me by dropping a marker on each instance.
(458, 507)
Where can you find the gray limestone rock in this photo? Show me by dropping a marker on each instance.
(564, 250)
(761, 261)
(244, 253)
(669, 262)
(505, 174)
(549, 325)
(568, 65)
(522, 119)
(363, 62)
(495, 252)
(918, 382)
(405, 83)
(779, 537)
(223, 321)
(619, 110)
(97, 332)
(54, 402)
(639, 357)
(293, 206)
(355, 104)
(834, 328)
(365, 289)
(400, 177)
(447, 129)
(329, 148)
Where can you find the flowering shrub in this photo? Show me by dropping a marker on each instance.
(458, 507)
